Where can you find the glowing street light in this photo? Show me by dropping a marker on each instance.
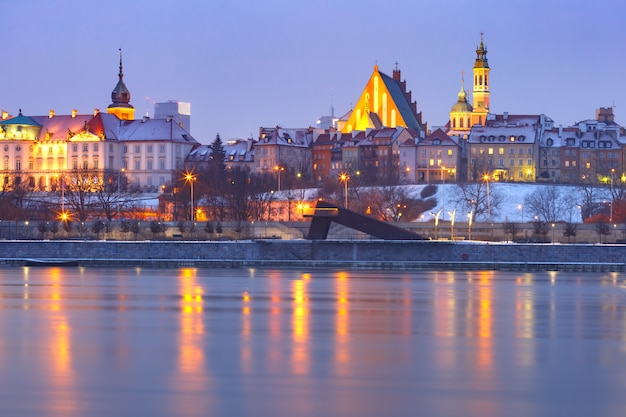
(486, 178)
(521, 207)
(278, 169)
(344, 177)
(190, 178)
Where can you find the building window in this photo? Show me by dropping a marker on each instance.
(162, 148)
(74, 147)
(490, 151)
(149, 164)
(530, 162)
(95, 147)
(161, 163)
(149, 148)
(449, 152)
(137, 164)
(500, 151)
(85, 147)
(511, 162)
(137, 149)
(18, 165)
(85, 164)
(95, 163)
(125, 149)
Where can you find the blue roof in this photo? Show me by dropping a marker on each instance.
(400, 99)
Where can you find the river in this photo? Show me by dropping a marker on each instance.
(245, 342)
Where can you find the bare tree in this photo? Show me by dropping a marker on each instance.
(80, 191)
(481, 198)
(546, 203)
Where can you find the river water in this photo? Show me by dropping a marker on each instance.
(203, 342)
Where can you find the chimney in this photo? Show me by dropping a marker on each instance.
(74, 113)
(51, 114)
(5, 114)
(605, 114)
(560, 130)
(96, 111)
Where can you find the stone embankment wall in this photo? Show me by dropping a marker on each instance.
(302, 253)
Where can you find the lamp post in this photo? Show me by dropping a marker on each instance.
(189, 177)
(344, 177)
(553, 225)
(486, 178)
(443, 193)
(278, 169)
(612, 198)
(469, 225)
(521, 207)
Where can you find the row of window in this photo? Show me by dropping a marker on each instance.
(490, 151)
(501, 162)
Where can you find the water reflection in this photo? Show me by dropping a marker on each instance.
(195, 342)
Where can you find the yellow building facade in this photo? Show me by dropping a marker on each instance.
(384, 102)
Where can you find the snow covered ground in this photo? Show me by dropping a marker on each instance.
(512, 206)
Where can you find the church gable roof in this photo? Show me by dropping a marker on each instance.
(399, 98)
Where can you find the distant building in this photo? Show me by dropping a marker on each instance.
(178, 111)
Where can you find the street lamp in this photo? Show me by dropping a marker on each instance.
(521, 207)
(612, 198)
(278, 169)
(553, 225)
(443, 193)
(469, 225)
(344, 177)
(190, 178)
(486, 178)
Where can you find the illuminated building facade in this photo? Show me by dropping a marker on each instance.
(38, 152)
(384, 102)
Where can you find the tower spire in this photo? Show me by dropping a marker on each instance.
(120, 98)
(121, 74)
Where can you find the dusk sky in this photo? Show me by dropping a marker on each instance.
(243, 64)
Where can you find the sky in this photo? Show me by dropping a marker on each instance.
(244, 64)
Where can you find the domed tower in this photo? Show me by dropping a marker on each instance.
(461, 112)
(120, 98)
(481, 92)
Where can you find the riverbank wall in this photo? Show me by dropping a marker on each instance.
(267, 253)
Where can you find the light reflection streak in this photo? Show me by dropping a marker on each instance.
(342, 324)
(192, 375)
(63, 401)
(485, 320)
(445, 318)
(300, 327)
